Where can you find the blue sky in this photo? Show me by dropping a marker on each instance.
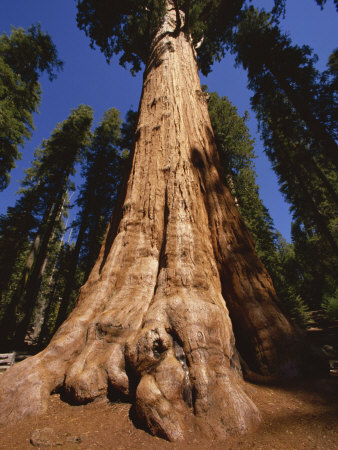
(88, 79)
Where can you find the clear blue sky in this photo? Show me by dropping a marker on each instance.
(88, 79)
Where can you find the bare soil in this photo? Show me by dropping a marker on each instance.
(301, 415)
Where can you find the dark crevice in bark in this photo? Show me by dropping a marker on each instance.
(69, 396)
(156, 56)
(178, 19)
(116, 396)
(162, 254)
(133, 378)
(182, 359)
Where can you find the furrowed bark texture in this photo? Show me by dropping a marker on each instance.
(152, 322)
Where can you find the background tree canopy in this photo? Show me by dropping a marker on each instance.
(130, 28)
(24, 56)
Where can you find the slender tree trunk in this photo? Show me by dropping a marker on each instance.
(8, 323)
(62, 313)
(44, 307)
(320, 220)
(9, 320)
(32, 286)
(52, 305)
(152, 320)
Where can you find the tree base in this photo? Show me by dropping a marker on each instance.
(184, 386)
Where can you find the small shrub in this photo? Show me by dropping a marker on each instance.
(330, 307)
(296, 308)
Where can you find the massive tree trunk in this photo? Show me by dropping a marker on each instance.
(152, 321)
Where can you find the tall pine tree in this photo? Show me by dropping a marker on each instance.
(24, 55)
(102, 171)
(48, 182)
(295, 109)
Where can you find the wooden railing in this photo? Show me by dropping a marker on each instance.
(6, 360)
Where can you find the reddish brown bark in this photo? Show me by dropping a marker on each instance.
(152, 320)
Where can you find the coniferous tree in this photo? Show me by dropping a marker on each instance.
(23, 57)
(48, 270)
(54, 291)
(15, 231)
(294, 130)
(293, 102)
(236, 148)
(273, 63)
(316, 266)
(47, 181)
(237, 156)
(101, 170)
(288, 278)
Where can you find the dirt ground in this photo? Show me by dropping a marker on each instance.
(302, 415)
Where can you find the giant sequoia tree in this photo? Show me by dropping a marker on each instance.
(177, 277)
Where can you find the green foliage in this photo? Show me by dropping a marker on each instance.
(7, 290)
(45, 182)
(294, 106)
(231, 134)
(128, 28)
(36, 296)
(333, 65)
(293, 102)
(210, 25)
(36, 216)
(327, 99)
(16, 229)
(297, 309)
(288, 281)
(274, 64)
(30, 53)
(317, 265)
(102, 170)
(128, 132)
(102, 162)
(55, 159)
(23, 56)
(236, 151)
(330, 306)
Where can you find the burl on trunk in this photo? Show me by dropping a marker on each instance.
(152, 321)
